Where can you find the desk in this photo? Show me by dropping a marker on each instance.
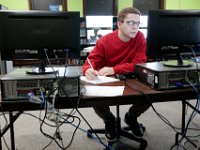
(130, 96)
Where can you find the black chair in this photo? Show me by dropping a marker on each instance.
(121, 131)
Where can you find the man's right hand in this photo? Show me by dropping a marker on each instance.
(91, 74)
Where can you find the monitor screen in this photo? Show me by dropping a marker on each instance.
(114, 22)
(98, 26)
(94, 34)
(171, 32)
(38, 34)
(99, 21)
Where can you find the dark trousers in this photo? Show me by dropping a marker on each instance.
(134, 111)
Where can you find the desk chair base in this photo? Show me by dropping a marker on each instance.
(121, 132)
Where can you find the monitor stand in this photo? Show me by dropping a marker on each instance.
(37, 71)
(178, 62)
(42, 69)
(175, 63)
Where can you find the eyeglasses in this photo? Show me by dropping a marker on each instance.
(131, 23)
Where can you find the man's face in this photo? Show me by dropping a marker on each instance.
(130, 26)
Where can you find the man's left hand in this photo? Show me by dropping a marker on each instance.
(106, 71)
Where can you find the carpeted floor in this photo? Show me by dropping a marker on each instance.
(159, 135)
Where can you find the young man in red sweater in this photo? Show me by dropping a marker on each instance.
(117, 53)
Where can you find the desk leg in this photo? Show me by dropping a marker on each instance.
(12, 136)
(182, 122)
(12, 119)
(118, 122)
(0, 139)
(183, 117)
(185, 103)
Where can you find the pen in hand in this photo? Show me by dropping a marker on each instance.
(91, 67)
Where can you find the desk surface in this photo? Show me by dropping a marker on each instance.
(130, 96)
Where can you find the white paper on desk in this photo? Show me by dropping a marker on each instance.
(103, 91)
(100, 80)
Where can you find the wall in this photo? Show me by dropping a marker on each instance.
(182, 4)
(15, 4)
(77, 5)
(124, 3)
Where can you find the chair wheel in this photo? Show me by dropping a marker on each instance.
(127, 128)
(107, 148)
(143, 145)
(142, 126)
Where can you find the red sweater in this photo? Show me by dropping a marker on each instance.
(110, 51)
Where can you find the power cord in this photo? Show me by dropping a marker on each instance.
(164, 119)
(49, 108)
(58, 125)
(106, 146)
(194, 112)
(75, 106)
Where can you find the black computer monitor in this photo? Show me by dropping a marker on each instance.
(114, 19)
(38, 34)
(171, 32)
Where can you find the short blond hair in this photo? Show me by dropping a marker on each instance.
(125, 11)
